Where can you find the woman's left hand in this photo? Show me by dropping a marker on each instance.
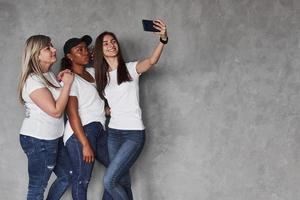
(161, 26)
(60, 74)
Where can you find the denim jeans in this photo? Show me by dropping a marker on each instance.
(45, 156)
(82, 171)
(124, 147)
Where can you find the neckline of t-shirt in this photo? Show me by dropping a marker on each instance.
(113, 70)
(86, 80)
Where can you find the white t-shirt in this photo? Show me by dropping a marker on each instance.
(123, 100)
(38, 123)
(90, 105)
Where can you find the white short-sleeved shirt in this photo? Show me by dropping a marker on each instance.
(90, 105)
(123, 100)
(38, 123)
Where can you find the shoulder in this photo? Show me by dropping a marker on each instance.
(34, 78)
(33, 82)
(91, 70)
(77, 79)
(131, 66)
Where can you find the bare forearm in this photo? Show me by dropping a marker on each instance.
(156, 54)
(146, 64)
(62, 100)
(77, 127)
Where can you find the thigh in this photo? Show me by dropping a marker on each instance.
(81, 169)
(91, 131)
(63, 162)
(114, 142)
(41, 156)
(101, 147)
(124, 158)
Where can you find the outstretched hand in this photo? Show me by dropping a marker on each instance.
(161, 26)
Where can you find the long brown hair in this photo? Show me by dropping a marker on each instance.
(31, 63)
(102, 67)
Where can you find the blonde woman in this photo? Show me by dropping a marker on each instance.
(42, 129)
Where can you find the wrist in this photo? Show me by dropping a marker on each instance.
(164, 40)
(85, 144)
(67, 84)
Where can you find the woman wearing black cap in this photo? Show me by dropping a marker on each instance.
(84, 134)
(118, 82)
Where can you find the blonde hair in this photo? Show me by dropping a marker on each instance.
(30, 61)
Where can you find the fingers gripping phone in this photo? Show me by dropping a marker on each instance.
(148, 25)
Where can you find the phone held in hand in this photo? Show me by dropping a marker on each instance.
(148, 25)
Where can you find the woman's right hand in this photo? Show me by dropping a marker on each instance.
(107, 111)
(67, 77)
(88, 154)
(162, 27)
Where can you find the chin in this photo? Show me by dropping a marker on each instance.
(113, 55)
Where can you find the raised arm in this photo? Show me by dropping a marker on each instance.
(43, 98)
(146, 64)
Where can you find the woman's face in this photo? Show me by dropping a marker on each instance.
(79, 54)
(110, 46)
(47, 56)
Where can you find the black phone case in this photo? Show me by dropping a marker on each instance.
(148, 25)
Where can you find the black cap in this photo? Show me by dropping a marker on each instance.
(69, 44)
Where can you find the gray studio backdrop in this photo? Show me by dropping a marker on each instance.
(221, 107)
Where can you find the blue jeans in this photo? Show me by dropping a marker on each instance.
(82, 171)
(45, 156)
(124, 147)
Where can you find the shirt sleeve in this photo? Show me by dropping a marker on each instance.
(131, 66)
(33, 83)
(74, 88)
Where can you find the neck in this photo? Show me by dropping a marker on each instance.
(78, 69)
(45, 67)
(112, 62)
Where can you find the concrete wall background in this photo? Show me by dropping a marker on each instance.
(221, 108)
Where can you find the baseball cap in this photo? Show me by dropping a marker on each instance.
(69, 44)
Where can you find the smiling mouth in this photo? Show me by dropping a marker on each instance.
(111, 50)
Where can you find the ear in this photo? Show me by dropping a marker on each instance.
(69, 56)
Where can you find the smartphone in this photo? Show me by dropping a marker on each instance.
(148, 25)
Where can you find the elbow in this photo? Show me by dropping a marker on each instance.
(153, 62)
(56, 114)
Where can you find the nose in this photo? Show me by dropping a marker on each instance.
(85, 51)
(111, 45)
(53, 49)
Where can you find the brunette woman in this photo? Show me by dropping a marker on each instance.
(118, 82)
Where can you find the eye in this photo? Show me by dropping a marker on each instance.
(113, 41)
(105, 43)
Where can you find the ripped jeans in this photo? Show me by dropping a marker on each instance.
(45, 157)
(82, 171)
